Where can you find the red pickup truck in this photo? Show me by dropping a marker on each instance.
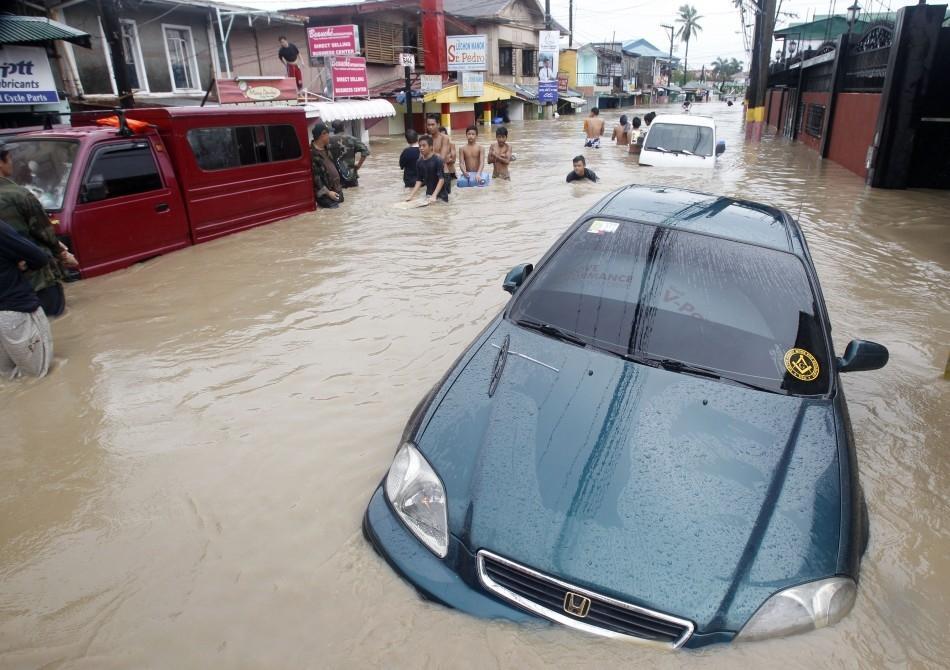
(185, 175)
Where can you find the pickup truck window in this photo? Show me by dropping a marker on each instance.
(42, 167)
(230, 147)
(122, 169)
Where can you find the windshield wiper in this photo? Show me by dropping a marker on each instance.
(659, 148)
(673, 365)
(553, 331)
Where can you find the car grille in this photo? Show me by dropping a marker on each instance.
(547, 596)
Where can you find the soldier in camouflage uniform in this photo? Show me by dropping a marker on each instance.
(344, 148)
(21, 209)
(326, 179)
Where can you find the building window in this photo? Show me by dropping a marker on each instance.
(380, 41)
(529, 63)
(230, 147)
(132, 53)
(506, 60)
(182, 63)
(123, 170)
(814, 120)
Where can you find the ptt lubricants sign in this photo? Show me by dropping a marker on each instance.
(26, 77)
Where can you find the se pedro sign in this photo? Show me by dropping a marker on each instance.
(25, 77)
(467, 53)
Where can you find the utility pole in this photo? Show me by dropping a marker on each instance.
(570, 23)
(108, 12)
(759, 69)
(547, 14)
(406, 37)
(669, 64)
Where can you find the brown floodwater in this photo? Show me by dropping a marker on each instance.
(185, 489)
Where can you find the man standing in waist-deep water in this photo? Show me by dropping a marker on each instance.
(289, 55)
(344, 147)
(593, 129)
(326, 178)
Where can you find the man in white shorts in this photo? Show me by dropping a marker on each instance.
(26, 344)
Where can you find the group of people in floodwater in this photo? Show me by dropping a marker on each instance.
(629, 133)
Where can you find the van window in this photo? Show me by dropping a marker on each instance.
(125, 169)
(230, 147)
(680, 138)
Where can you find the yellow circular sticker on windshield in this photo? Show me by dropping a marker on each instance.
(801, 364)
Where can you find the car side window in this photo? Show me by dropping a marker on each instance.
(221, 148)
(121, 170)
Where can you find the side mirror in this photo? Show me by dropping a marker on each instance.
(720, 147)
(516, 277)
(862, 355)
(94, 189)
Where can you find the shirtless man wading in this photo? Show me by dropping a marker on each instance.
(594, 129)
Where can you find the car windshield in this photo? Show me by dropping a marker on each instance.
(665, 297)
(43, 168)
(676, 137)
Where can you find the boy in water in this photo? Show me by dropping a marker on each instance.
(409, 158)
(621, 134)
(580, 171)
(636, 136)
(593, 128)
(448, 155)
(473, 160)
(429, 171)
(499, 154)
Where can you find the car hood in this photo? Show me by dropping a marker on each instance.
(679, 493)
(660, 159)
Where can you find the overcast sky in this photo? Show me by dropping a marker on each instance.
(597, 21)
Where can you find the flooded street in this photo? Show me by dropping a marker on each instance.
(185, 489)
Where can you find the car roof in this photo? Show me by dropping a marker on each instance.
(684, 120)
(716, 215)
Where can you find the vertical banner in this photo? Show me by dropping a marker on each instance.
(25, 76)
(548, 49)
(349, 77)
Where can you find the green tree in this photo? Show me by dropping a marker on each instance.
(724, 70)
(689, 27)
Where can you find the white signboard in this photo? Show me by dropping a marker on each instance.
(467, 53)
(407, 60)
(26, 77)
(548, 49)
(473, 84)
(430, 82)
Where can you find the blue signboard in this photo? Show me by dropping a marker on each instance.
(547, 91)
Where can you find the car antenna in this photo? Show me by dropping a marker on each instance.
(124, 130)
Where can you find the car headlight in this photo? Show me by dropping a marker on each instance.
(417, 495)
(802, 608)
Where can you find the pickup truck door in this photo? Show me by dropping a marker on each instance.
(129, 207)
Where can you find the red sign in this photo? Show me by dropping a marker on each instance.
(256, 89)
(561, 81)
(349, 77)
(333, 40)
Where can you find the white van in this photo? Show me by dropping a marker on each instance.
(681, 140)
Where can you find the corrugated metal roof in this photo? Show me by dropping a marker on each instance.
(16, 29)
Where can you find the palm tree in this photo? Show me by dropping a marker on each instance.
(720, 67)
(689, 27)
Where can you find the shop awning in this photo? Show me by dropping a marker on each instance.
(350, 110)
(37, 30)
(577, 102)
(491, 93)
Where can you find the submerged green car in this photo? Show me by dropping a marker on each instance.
(649, 442)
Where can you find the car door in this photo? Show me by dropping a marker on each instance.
(126, 211)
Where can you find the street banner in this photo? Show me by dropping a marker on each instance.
(26, 77)
(430, 83)
(349, 77)
(547, 91)
(333, 40)
(562, 81)
(467, 53)
(548, 49)
(256, 89)
(473, 84)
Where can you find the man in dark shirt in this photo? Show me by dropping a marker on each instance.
(26, 344)
(327, 185)
(409, 158)
(580, 170)
(431, 172)
(289, 55)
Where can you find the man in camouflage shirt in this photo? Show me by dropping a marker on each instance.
(326, 178)
(21, 209)
(344, 148)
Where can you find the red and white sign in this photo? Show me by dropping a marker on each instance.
(333, 40)
(256, 89)
(349, 77)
